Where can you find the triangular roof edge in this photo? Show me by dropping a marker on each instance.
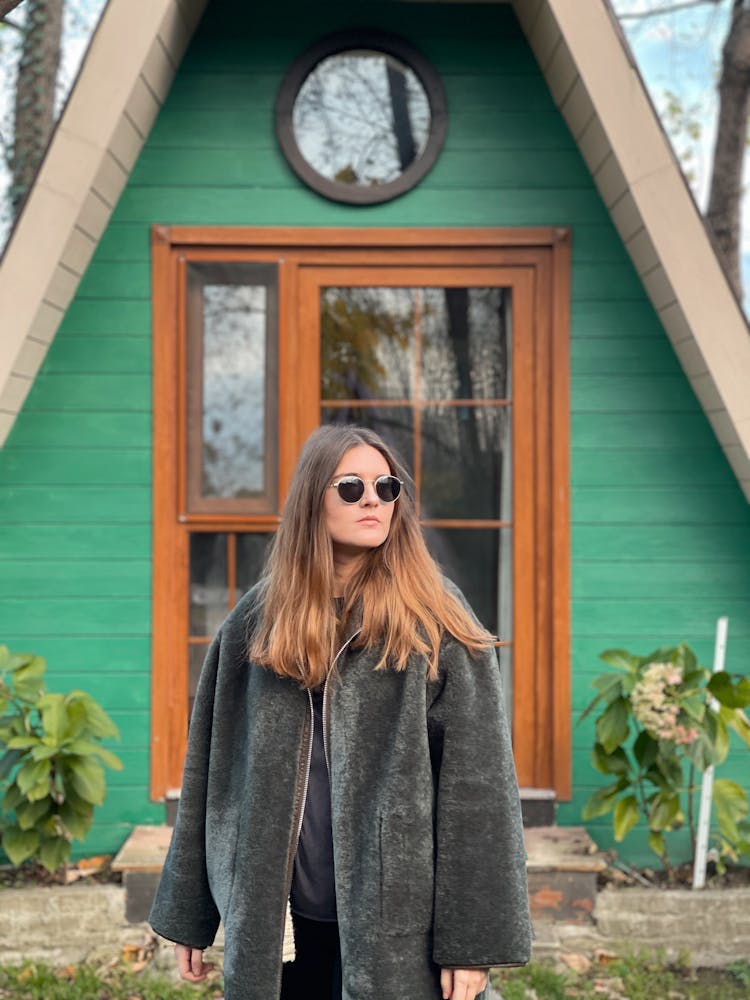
(593, 79)
(108, 115)
(595, 82)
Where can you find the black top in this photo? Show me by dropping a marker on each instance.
(313, 889)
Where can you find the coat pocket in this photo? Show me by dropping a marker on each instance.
(406, 872)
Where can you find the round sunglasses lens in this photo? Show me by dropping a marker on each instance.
(387, 488)
(351, 490)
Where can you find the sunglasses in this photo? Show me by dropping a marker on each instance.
(351, 489)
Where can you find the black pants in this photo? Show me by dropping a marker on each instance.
(315, 973)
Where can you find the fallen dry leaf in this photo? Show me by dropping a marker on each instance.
(602, 957)
(575, 961)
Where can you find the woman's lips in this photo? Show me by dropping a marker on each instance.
(368, 520)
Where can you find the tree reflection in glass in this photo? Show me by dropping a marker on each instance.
(234, 359)
(361, 118)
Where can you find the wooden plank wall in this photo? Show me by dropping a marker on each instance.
(661, 532)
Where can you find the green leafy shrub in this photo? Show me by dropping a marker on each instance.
(664, 718)
(51, 769)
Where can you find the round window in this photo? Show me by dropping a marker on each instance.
(361, 117)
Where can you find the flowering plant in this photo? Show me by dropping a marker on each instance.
(680, 715)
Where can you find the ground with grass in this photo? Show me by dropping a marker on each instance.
(639, 976)
(37, 981)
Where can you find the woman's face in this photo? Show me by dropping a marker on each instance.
(355, 527)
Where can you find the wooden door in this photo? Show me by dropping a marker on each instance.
(452, 346)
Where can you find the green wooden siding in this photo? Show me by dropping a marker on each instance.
(660, 533)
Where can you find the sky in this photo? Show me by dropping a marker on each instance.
(678, 53)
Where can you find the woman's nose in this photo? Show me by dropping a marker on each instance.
(370, 496)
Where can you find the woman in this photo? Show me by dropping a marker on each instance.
(411, 795)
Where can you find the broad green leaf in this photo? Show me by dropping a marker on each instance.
(27, 813)
(23, 742)
(612, 725)
(626, 816)
(86, 748)
(76, 719)
(730, 798)
(98, 723)
(603, 799)
(669, 764)
(645, 750)
(87, 778)
(13, 795)
(729, 693)
(77, 824)
(28, 683)
(40, 790)
(8, 761)
(696, 678)
(54, 716)
(620, 659)
(664, 812)
(31, 774)
(54, 851)
(43, 752)
(74, 800)
(614, 763)
(664, 654)
(19, 844)
(685, 657)
(656, 843)
(738, 721)
(655, 776)
(694, 706)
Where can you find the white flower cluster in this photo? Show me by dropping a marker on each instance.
(655, 703)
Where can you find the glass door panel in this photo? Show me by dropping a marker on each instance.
(429, 369)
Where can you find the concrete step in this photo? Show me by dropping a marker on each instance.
(562, 864)
(140, 859)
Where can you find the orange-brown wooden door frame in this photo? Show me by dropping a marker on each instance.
(536, 262)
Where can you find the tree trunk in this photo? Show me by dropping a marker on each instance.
(35, 94)
(723, 213)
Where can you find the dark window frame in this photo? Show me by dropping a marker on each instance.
(380, 41)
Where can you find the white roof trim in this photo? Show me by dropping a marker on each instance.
(594, 81)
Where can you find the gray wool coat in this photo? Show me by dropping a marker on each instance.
(428, 846)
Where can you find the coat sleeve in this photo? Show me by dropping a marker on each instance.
(481, 915)
(184, 910)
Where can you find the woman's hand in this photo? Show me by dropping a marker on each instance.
(190, 963)
(462, 984)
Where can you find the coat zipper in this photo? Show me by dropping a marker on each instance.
(326, 702)
(298, 803)
(301, 800)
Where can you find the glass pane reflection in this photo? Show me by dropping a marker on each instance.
(465, 342)
(394, 424)
(465, 450)
(361, 118)
(367, 347)
(234, 363)
(251, 553)
(209, 594)
(474, 560)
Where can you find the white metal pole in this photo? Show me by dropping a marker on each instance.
(704, 817)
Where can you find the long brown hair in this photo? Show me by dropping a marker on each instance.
(405, 606)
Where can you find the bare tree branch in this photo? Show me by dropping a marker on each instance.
(660, 11)
(6, 6)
